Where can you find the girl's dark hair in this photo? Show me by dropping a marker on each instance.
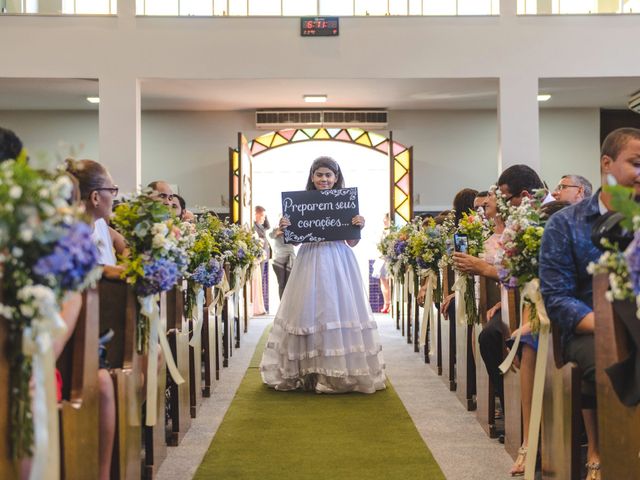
(463, 202)
(10, 145)
(89, 173)
(331, 164)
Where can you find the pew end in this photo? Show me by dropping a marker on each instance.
(618, 424)
(561, 419)
(79, 409)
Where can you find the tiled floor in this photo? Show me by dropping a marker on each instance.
(456, 440)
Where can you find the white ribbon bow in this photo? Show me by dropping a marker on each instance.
(460, 289)
(157, 334)
(198, 318)
(431, 279)
(37, 342)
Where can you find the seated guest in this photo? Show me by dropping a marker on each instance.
(10, 145)
(97, 192)
(462, 203)
(572, 189)
(566, 286)
(162, 191)
(185, 215)
(481, 200)
(178, 206)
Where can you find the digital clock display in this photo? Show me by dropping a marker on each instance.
(319, 26)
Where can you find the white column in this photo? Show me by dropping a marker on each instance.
(518, 131)
(120, 130)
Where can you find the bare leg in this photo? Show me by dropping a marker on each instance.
(591, 427)
(384, 287)
(527, 372)
(107, 422)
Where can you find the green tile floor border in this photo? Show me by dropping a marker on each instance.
(302, 435)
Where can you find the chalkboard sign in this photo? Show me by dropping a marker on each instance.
(321, 215)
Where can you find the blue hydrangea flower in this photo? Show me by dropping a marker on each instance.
(73, 257)
(209, 274)
(400, 247)
(159, 276)
(241, 253)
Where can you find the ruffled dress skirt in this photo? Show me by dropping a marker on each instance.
(324, 337)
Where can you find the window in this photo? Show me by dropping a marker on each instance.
(87, 7)
(439, 7)
(196, 7)
(336, 7)
(264, 7)
(300, 8)
(371, 7)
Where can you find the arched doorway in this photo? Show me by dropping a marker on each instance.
(400, 163)
(378, 166)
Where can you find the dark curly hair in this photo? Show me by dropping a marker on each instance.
(10, 145)
(331, 164)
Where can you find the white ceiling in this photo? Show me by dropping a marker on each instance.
(244, 94)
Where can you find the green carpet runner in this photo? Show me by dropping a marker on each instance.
(302, 435)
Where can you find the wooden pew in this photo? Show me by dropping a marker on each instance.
(408, 308)
(178, 336)
(434, 337)
(618, 425)
(227, 330)
(513, 406)
(448, 335)
(238, 299)
(195, 365)
(485, 392)
(155, 437)
(561, 416)
(245, 307)
(211, 346)
(465, 363)
(119, 312)
(416, 322)
(79, 409)
(8, 468)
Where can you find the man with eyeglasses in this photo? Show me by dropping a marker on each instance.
(572, 189)
(162, 192)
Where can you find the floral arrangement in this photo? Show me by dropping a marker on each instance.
(159, 246)
(46, 250)
(520, 246)
(426, 245)
(623, 267)
(447, 229)
(204, 268)
(395, 248)
(477, 229)
(238, 246)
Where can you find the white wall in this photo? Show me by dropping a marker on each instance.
(452, 149)
(570, 143)
(120, 50)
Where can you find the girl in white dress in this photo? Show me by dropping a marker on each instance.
(324, 337)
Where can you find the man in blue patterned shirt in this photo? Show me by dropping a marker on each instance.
(566, 286)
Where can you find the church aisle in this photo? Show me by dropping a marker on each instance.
(456, 439)
(270, 435)
(459, 445)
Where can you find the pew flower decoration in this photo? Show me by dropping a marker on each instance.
(447, 229)
(46, 251)
(205, 269)
(477, 230)
(159, 250)
(622, 267)
(426, 245)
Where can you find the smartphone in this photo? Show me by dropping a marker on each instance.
(460, 243)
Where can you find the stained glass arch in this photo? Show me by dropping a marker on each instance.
(400, 158)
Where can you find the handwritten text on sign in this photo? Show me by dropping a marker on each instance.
(320, 215)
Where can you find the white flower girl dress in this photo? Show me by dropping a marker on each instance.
(324, 337)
